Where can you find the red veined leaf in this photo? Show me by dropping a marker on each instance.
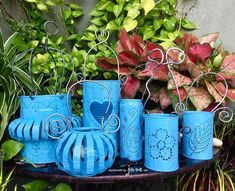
(130, 88)
(159, 73)
(111, 65)
(165, 100)
(227, 68)
(180, 79)
(200, 97)
(209, 38)
(182, 92)
(128, 57)
(157, 55)
(124, 42)
(186, 41)
(138, 45)
(213, 91)
(200, 52)
(221, 89)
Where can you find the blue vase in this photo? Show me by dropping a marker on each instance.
(35, 112)
(96, 97)
(131, 119)
(197, 141)
(161, 142)
(85, 152)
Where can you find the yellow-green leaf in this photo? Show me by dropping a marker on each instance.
(42, 6)
(129, 24)
(147, 5)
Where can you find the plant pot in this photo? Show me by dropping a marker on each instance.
(161, 142)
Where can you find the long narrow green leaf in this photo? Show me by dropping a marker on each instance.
(4, 121)
(2, 100)
(11, 53)
(9, 42)
(1, 42)
(230, 180)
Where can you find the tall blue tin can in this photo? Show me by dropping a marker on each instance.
(161, 142)
(35, 112)
(97, 97)
(131, 123)
(197, 141)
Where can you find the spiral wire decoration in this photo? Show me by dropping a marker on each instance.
(180, 107)
(52, 127)
(105, 34)
(224, 116)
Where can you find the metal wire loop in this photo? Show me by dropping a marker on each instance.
(104, 33)
(224, 116)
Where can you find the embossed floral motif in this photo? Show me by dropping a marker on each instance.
(161, 145)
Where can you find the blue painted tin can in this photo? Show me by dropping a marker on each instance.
(95, 102)
(131, 119)
(30, 127)
(85, 152)
(161, 142)
(197, 141)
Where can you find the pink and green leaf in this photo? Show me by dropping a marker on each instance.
(200, 52)
(138, 45)
(183, 93)
(130, 88)
(164, 97)
(110, 65)
(128, 57)
(180, 79)
(227, 68)
(221, 89)
(212, 90)
(199, 97)
(209, 38)
(159, 73)
(124, 42)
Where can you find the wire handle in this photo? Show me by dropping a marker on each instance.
(105, 34)
(179, 106)
(111, 116)
(224, 116)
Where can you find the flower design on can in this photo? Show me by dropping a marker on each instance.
(161, 145)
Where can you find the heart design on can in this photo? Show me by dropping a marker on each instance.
(98, 110)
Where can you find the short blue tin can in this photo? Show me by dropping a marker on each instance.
(97, 97)
(131, 123)
(37, 112)
(85, 151)
(197, 141)
(161, 142)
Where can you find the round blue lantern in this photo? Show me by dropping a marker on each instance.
(38, 113)
(85, 151)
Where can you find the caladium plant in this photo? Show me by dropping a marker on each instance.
(200, 56)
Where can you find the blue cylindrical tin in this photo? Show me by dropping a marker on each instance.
(197, 141)
(35, 112)
(131, 119)
(161, 142)
(96, 97)
(85, 151)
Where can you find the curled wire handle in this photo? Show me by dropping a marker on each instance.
(49, 50)
(224, 116)
(152, 75)
(104, 33)
(46, 25)
(114, 116)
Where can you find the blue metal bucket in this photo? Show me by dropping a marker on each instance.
(197, 141)
(161, 142)
(131, 119)
(35, 112)
(96, 101)
(85, 151)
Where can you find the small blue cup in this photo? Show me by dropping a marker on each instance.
(197, 141)
(161, 142)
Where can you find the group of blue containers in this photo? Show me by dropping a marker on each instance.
(90, 146)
